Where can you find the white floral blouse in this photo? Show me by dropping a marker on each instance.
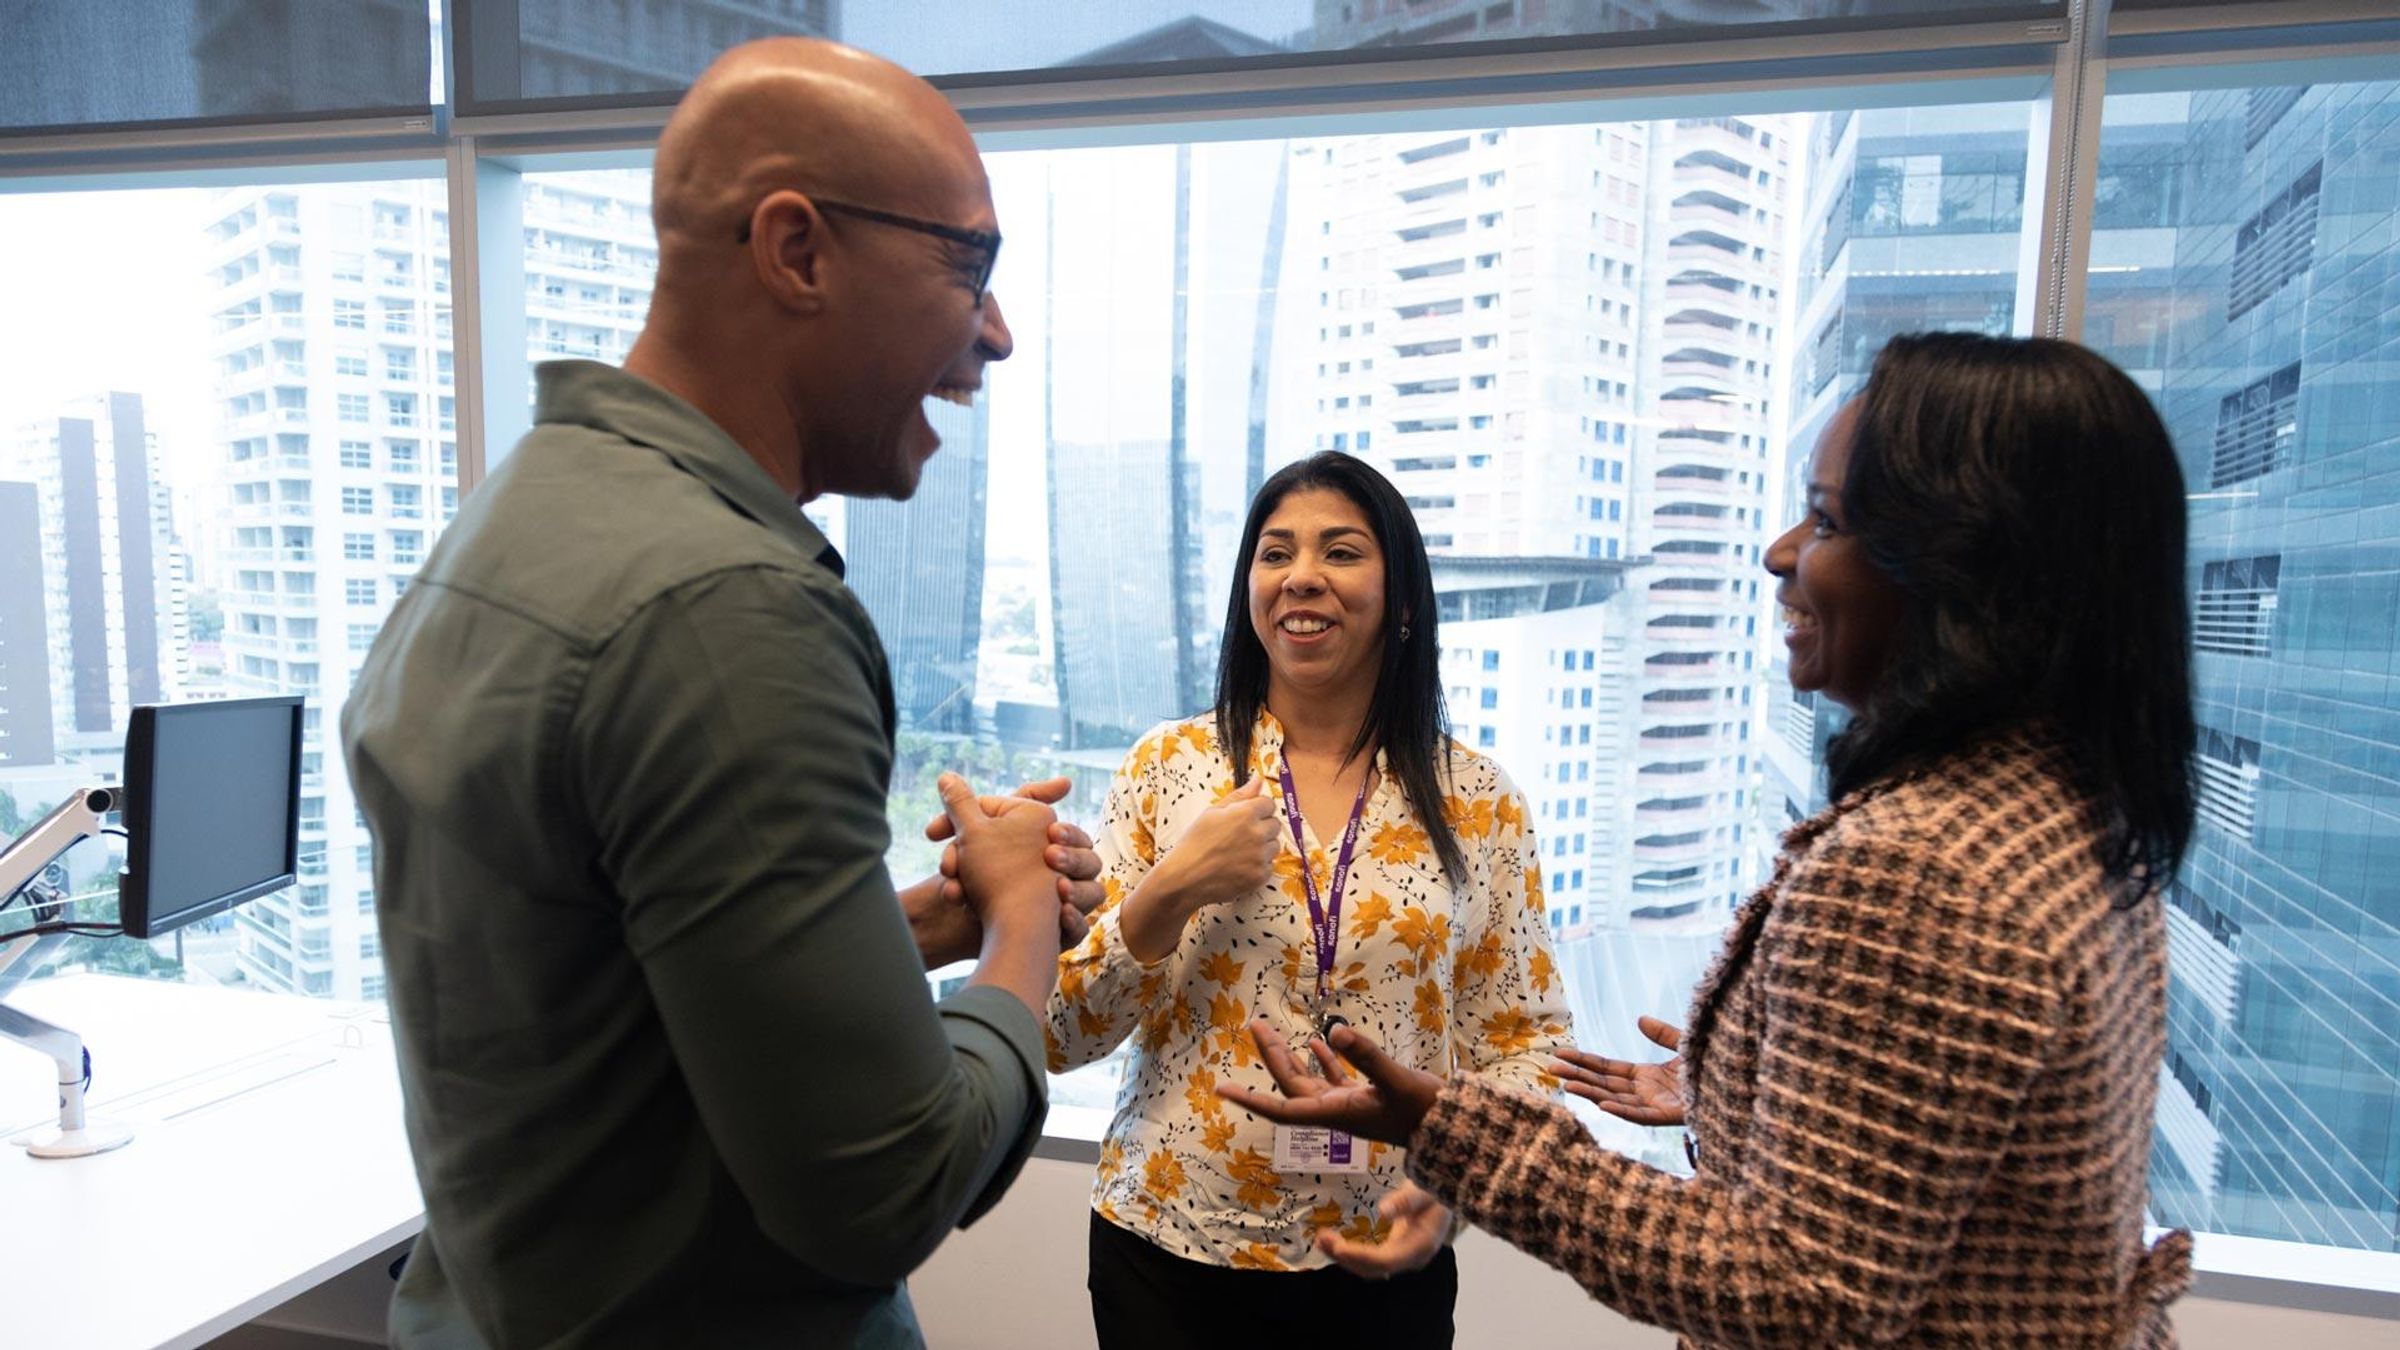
(1445, 979)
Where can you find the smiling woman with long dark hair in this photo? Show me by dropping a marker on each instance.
(1314, 850)
(1919, 1078)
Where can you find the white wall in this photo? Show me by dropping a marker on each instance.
(1015, 1282)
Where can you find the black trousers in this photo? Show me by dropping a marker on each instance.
(1144, 1298)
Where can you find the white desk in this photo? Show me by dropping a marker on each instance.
(267, 1157)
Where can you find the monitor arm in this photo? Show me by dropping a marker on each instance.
(82, 816)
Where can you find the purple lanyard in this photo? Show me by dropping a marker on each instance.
(1324, 918)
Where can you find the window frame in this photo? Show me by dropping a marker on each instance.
(2069, 59)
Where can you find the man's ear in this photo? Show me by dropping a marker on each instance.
(788, 251)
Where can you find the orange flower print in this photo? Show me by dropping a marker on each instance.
(1366, 1227)
(1217, 1135)
(1327, 1215)
(1070, 981)
(1426, 935)
(1484, 960)
(1471, 819)
(1257, 1256)
(1162, 1176)
(1287, 874)
(1433, 1012)
(1542, 970)
(1534, 904)
(1137, 830)
(1368, 916)
(1509, 813)
(1222, 969)
(1399, 842)
(1262, 1185)
(1509, 1031)
(1053, 1052)
(1200, 1093)
(1225, 1013)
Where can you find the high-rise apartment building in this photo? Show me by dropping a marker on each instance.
(334, 383)
(332, 371)
(1558, 342)
(1712, 272)
(110, 566)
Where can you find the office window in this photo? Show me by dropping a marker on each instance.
(2256, 428)
(2235, 612)
(2256, 325)
(1056, 657)
(215, 586)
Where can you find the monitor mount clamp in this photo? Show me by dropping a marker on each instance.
(81, 817)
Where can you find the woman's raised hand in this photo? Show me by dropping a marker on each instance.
(1646, 1094)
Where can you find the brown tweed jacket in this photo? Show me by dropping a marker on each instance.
(1920, 1078)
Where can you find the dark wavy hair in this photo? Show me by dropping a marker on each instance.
(2025, 496)
(1406, 717)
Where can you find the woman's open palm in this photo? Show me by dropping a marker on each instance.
(1646, 1094)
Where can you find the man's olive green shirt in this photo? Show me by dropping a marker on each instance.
(672, 1073)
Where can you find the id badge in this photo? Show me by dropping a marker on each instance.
(1314, 1148)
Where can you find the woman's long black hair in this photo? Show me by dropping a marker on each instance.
(1406, 717)
(2025, 496)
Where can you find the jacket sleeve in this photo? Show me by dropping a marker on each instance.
(1903, 1027)
(731, 745)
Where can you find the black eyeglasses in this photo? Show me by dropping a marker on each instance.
(986, 240)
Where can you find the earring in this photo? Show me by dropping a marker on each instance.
(1404, 632)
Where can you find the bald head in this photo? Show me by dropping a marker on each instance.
(802, 113)
(825, 234)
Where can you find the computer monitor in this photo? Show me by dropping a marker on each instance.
(211, 810)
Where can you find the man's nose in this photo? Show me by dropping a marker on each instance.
(995, 342)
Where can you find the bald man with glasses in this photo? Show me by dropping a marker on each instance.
(672, 1074)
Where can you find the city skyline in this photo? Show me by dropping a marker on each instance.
(1911, 218)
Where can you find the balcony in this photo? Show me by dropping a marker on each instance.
(1424, 252)
(1700, 851)
(1705, 371)
(1710, 215)
(1710, 134)
(1724, 178)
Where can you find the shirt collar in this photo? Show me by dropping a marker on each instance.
(1266, 747)
(605, 398)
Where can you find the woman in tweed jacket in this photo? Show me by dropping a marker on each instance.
(1919, 1077)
